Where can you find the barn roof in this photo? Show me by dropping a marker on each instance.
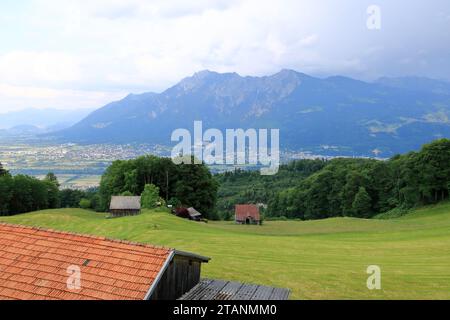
(227, 290)
(243, 211)
(125, 203)
(34, 265)
(193, 212)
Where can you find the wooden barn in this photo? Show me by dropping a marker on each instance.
(66, 266)
(125, 206)
(247, 214)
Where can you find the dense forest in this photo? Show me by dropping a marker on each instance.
(364, 187)
(303, 189)
(244, 186)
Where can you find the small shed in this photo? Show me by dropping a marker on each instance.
(194, 214)
(247, 214)
(125, 206)
(188, 213)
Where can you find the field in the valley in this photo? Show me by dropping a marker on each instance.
(315, 259)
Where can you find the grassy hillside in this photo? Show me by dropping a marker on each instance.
(316, 259)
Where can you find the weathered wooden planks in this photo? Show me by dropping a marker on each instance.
(227, 290)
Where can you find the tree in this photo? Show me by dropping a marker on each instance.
(433, 163)
(126, 194)
(52, 178)
(6, 193)
(197, 188)
(22, 195)
(71, 198)
(150, 196)
(3, 172)
(354, 181)
(362, 204)
(53, 194)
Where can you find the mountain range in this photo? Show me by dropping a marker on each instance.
(335, 115)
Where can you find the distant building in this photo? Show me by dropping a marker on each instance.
(125, 206)
(247, 214)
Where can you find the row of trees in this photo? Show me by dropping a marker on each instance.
(365, 187)
(158, 180)
(20, 193)
(304, 189)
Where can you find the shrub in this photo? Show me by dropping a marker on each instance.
(150, 196)
(85, 203)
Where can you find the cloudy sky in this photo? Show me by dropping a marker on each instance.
(83, 54)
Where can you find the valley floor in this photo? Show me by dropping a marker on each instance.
(315, 259)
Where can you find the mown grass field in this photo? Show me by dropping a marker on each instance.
(315, 259)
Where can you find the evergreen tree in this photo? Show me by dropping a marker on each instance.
(362, 204)
(51, 177)
(53, 194)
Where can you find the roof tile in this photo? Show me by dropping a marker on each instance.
(34, 264)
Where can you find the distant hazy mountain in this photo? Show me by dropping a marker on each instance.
(44, 120)
(417, 84)
(336, 115)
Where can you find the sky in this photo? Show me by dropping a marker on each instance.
(83, 54)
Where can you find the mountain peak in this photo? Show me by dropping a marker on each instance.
(290, 74)
(287, 72)
(205, 77)
(204, 73)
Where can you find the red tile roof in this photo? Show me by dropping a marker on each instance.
(34, 263)
(243, 211)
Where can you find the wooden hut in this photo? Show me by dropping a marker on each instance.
(125, 206)
(247, 214)
(194, 214)
(188, 213)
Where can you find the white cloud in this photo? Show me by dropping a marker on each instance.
(309, 40)
(20, 97)
(114, 46)
(45, 67)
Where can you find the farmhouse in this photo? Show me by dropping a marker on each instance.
(247, 214)
(39, 264)
(125, 206)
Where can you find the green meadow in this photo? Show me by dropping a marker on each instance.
(325, 259)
